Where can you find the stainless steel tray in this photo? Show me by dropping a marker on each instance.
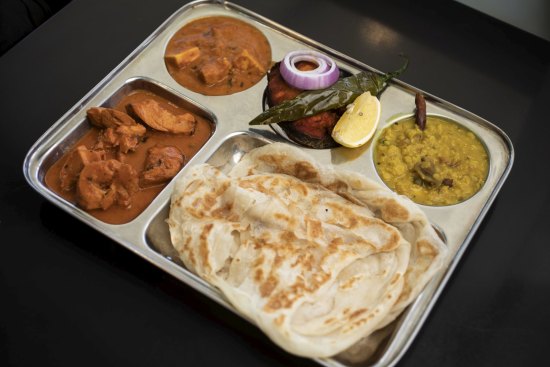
(147, 235)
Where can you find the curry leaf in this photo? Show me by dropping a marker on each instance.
(340, 94)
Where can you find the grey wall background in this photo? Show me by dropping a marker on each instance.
(532, 16)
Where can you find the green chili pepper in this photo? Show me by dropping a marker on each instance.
(340, 94)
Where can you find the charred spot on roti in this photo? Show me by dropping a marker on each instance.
(392, 210)
(190, 254)
(177, 202)
(209, 204)
(208, 201)
(302, 189)
(405, 292)
(274, 161)
(335, 243)
(301, 170)
(395, 278)
(268, 286)
(303, 260)
(425, 248)
(392, 242)
(193, 185)
(305, 171)
(223, 211)
(254, 183)
(353, 325)
(357, 313)
(284, 299)
(259, 243)
(290, 221)
(346, 216)
(314, 228)
(279, 256)
(338, 186)
(349, 283)
(223, 188)
(286, 237)
(258, 275)
(187, 243)
(203, 246)
(258, 261)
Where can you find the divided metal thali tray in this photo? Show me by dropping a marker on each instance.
(147, 235)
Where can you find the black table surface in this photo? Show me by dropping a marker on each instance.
(71, 297)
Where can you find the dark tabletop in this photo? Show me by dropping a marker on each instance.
(71, 297)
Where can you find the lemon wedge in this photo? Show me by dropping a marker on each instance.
(358, 124)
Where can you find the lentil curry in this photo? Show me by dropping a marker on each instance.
(442, 165)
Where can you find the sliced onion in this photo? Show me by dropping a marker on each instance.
(324, 75)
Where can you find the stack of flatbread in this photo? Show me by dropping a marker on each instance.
(318, 258)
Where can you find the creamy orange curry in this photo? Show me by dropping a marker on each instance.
(129, 155)
(218, 56)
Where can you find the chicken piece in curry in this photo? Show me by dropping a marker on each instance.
(118, 129)
(159, 118)
(162, 163)
(101, 184)
(129, 155)
(218, 55)
(75, 162)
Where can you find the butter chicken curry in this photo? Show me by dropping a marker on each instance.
(129, 155)
(218, 56)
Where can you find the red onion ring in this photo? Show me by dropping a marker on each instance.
(324, 75)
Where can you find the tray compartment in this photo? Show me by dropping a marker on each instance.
(227, 155)
(378, 136)
(83, 127)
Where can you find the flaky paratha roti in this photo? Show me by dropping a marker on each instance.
(318, 258)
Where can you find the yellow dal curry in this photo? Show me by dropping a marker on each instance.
(442, 165)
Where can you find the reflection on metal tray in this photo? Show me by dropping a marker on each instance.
(147, 235)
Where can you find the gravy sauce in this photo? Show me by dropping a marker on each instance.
(187, 144)
(218, 56)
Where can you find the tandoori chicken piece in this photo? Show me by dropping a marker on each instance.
(162, 163)
(318, 126)
(74, 164)
(159, 118)
(102, 184)
(314, 131)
